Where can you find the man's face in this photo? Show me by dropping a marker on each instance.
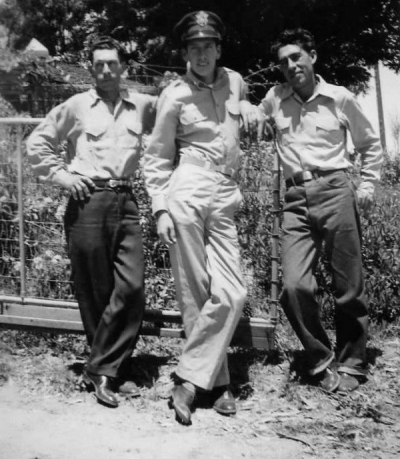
(107, 69)
(297, 65)
(203, 54)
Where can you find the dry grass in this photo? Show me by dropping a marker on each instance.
(274, 401)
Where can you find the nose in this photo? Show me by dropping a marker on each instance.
(106, 68)
(291, 63)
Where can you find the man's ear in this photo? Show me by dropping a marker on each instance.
(184, 54)
(219, 51)
(313, 55)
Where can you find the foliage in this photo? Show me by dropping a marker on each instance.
(349, 42)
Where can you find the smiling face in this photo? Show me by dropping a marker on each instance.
(297, 66)
(203, 54)
(107, 70)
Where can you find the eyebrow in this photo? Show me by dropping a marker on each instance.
(290, 56)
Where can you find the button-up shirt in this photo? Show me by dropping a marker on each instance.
(102, 141)
(194, 120)
(313, 134)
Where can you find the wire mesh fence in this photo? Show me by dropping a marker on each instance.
(33, 255)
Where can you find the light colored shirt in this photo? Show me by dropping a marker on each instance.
(102, 141)
(313, 134)
(194, 120)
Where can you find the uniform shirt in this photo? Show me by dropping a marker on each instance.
(102, 141)
(312, 134)
(194, 120)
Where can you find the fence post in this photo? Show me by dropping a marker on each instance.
(276, 184)
(21, 211)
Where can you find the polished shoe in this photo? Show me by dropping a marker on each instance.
(348, 383)
(182, 400)
(225, 403)
(127, 388)
(101, 384)
(329, 380)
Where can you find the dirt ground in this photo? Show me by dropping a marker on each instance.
(45, 412)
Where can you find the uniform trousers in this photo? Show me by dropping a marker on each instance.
(325, 211)
(206, 267)
(107, 263)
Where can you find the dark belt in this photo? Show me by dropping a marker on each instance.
(112, 183)
(305, 176)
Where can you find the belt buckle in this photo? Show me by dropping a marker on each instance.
(307, 176)
(115, 183)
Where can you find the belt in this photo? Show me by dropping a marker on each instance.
(225, 170)
(112, 183)
(305, 176)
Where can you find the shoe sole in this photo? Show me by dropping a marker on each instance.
(225, 412)
(129, 395)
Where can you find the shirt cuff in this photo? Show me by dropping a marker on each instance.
(159, 202)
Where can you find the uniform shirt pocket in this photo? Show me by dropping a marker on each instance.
(135, 128)
(96, 139)
(95, 131)
(329, 129)
(191, 115)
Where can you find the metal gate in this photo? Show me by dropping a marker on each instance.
(19, 238)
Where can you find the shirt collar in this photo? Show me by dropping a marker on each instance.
(124, 95)
(322, 89)
(221, 73)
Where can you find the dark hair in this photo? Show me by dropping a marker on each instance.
(105, 42)
(299, 36)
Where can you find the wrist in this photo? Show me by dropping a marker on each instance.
(161, 212)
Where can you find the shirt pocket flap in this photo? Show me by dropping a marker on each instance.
(282, 123)
(135, 128)
(191, 114)
(327, 123)
(233, 108)
(95, 129)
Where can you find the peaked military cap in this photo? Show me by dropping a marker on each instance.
(199, 24)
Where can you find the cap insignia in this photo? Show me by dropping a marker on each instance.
(202, 18)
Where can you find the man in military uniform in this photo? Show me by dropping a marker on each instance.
(103, 131)
(313, 119)
(198, 121)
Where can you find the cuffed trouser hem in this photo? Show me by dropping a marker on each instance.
(322, 366)
(361, 372)
(202, 383)
(102, 371)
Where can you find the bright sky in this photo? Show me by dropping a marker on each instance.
(390, 85)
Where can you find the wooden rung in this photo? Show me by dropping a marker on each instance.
(253, 332)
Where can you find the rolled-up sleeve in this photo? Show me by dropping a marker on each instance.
(43, 143)
(366, 142)
(160, 154)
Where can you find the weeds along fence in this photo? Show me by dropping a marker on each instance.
(35, 287)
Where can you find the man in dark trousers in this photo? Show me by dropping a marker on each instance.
(313, 119)
(102, 129)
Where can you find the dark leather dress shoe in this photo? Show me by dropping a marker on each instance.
(225, 403)
(128, 388)
(329, 380)
(348, 383)
(182, 400)
(102, 389)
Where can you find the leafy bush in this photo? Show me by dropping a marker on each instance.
(48, 268)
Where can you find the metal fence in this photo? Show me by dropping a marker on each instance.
(35, 290)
